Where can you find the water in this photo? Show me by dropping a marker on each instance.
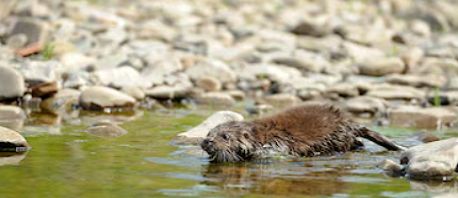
(66, 162)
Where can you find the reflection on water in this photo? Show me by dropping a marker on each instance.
(143, 163)
(11, 158)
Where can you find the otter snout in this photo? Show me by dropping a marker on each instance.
(207, 145)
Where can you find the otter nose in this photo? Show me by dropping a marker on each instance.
(206, 143)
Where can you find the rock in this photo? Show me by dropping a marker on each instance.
(134, 91)
(362, 53)
(304, 61)
(391, 168)
(209, 84)
(118, 77)
(12, 117)
(236, 94)
(196, 134)
(12, 85)
(40, 71)
(271, 72)
(212, 68)
(158, 70)
(282, 100)
(63, 101)
(111, 61)
(35, 31)
(6, 7)
(417, 80)
(43, 90)
(76, 61)
(12, 141)
(169, 92)
(343, 90)
(431, 161)
(311, 29)
(99, 98)
(76, 79)
(382, 66)
(106, 129)
(393, 92)
(365, 104)
(16, 41)
(427, 118)
(215, 98)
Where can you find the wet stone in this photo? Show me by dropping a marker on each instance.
(12, 141)
(106, 129)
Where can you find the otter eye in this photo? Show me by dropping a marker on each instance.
(225, 137)
(246, 135)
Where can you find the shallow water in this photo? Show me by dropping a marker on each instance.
(66, 162)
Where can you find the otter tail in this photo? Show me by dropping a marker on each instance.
(379, 139)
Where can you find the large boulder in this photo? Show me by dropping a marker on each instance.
(196, 134)
(425, 118)
(12, 141)
(99, 98)
(12, 85)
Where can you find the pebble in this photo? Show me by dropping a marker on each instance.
(99, 98)
(12, 85)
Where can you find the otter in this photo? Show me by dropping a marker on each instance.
(304, 131)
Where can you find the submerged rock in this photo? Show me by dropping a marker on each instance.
(12, 141)
(106, 129)
(99, 98)
(196, 134)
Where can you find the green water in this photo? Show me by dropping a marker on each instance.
(70, 163)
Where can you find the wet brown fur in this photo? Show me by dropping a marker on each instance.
(306, 130)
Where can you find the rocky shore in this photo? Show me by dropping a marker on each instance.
(391, 60)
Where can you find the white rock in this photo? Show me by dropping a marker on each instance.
(220, 117)
(381, 66)
(395, 92)
(97, 98)
(118, 77)
(47, 71)
(12, 83)
(13, 137)
(215, 98)
(214, 68)
(365, 104)
(435, 160)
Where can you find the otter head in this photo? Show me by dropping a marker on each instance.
(231, 142)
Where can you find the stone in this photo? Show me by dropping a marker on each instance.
(169, 92)
(213, 68)
(158, 70)
(135, 92)
(198, 133)
(99, 98)
(382, 66)
(63, 101)
(343, 90)
(40, 71)
(209, 84)
(394, 92)
(365, 104)
(12, 85)
(272, 72)
(6, 7)
(431, 81)
(215, 98)
(76, 61)
(236, 94)
(16, 41)
(431, 161)
(424, 118)
(106, 129)
(12, 117)
(310, 28)
(282, 100)
(304, 61)
(391, 168)
(44, 90)
(35, 30)
(118, 77)
(361, 53)
(12, 141)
